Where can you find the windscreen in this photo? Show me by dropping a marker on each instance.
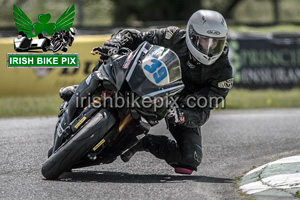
(161, 66)
(154, 70)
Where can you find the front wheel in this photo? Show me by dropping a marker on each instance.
(57, 46)
(75, 148)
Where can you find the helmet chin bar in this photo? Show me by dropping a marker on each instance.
(194, 60)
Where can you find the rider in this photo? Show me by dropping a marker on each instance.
(66, 35)
(206, 73)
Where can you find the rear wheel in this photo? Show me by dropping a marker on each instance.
(78, 146)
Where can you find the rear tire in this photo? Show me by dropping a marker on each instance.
(73, 150)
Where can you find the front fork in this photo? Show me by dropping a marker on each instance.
(86, 114)
(65, 130)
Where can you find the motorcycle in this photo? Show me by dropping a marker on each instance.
(95, 133)
(61, 39)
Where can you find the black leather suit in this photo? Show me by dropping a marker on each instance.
(210, 82)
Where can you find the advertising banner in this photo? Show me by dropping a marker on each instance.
(265, 62)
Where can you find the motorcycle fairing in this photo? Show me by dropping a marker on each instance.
(154, 72)
(150, 70)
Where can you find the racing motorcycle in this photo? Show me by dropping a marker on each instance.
(95, 133)
(61, 39)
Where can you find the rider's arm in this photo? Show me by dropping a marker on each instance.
(168, 37)
(211, 96)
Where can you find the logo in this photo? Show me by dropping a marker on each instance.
(197, 158)
(213, 32)
(23, 60)
(58, 36)
(25, 25)
(226, 84)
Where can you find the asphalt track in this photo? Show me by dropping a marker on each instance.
(233, 142)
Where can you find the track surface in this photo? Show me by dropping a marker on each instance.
(233, 142)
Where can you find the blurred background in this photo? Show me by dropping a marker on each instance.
(263, 37)
(144, 13)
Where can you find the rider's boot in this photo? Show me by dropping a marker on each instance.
(161, 147)
(150, 143)
(138, 147)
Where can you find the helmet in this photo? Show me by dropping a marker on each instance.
(206, 36)
(73, 31)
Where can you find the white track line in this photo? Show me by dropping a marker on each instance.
(291, 159)
(283, 181)
(254, 187)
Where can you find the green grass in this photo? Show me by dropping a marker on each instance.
(254, 99)
(297, 194)
(236, 99)
(287, 28)
(29, 106)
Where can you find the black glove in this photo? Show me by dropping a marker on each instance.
(175, 116)
(109, 48)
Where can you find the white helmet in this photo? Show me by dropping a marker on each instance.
(206, 36)
(73, 31)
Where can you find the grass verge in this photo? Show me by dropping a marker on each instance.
(236, 99)
(255, 99)
(284, 28)
(30, 106)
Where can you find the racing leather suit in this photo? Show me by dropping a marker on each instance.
(210, 84)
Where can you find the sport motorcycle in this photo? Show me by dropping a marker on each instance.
(114, 108)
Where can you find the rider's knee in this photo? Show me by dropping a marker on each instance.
(193, 159)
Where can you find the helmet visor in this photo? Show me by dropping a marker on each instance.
(209, 46)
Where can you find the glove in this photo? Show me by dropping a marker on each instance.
(109, 48)
(175, 116)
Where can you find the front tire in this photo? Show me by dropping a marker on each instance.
(73, 150)
(57, 46)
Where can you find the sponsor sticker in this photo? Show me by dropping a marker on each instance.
(98, 145)
(80, 122)
(226, 84)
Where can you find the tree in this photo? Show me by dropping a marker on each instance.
(153, 10)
